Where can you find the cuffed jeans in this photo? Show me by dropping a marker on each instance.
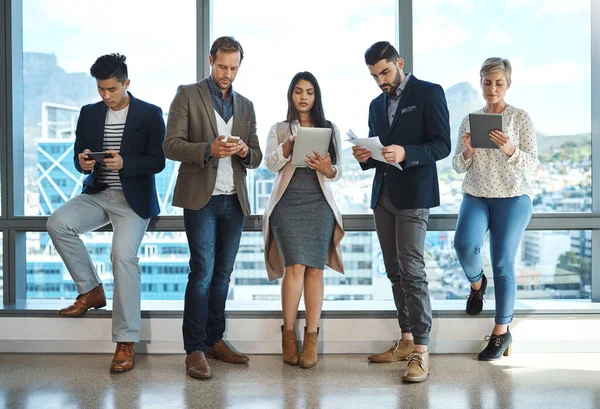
(214, 233)
(88, 212)
(401, 234)
(506, 219)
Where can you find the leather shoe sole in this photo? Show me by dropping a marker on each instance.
(197, 375)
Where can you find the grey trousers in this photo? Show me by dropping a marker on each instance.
(401, 234)
(85, 213)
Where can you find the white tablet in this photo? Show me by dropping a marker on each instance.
(309, 140)
(481, 126)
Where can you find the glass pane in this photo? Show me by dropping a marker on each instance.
(550, 265)
(549, 65)
(61, 40)
(332, 49)
(1, 265)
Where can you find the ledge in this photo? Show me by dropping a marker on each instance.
(352, 222)
(331, 309)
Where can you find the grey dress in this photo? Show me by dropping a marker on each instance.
(302, 223)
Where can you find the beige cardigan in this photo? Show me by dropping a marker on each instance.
(276, 162)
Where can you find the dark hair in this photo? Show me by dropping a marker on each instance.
(317, 115)
(109, 66)
(226, 44)
(381, 50)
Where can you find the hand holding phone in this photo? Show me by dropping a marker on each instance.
(98, 156)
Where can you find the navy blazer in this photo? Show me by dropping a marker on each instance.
(141, 150)
(422, 126)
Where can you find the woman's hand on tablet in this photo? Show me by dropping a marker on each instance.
(288, 146)
(469, 150)
(503, 142)
(320, 164)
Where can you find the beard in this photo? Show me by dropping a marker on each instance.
(390, 88)
(223, 84)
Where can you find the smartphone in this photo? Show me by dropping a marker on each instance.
(235, 139)
(98, 156)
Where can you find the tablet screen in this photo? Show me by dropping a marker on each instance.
(481, 126)
(309, 140)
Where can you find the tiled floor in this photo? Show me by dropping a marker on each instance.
(338, 381)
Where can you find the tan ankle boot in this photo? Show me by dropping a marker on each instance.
(418, 367)
(398, 352)
(308, 358)
(289, 345)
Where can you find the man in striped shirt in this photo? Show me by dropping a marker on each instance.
(118, 145)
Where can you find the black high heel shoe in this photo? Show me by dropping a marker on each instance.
(475, 301)
(498, 346)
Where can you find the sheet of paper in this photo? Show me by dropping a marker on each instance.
(372, 144)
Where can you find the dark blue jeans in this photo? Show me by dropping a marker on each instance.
(506, 219)
(213, 234)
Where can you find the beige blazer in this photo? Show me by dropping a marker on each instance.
(276, 162)
(191, 128)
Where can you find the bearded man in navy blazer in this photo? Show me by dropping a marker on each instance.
(119, 190)
(411, 119)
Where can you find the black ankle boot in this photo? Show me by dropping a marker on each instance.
(498, 345)
(475, 301)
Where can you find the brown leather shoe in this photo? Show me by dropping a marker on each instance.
(223, 352)
(289, 346)
(398, 352)
(418, 367)
(123, 359)
(197, 366)
(309, 357)
(92, 299)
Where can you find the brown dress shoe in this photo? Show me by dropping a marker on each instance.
(289, 346)
(308, 357)
(123, 359)
(418, 367)
(197, 366)
(92, 299)
(223, 352)
(398, 352)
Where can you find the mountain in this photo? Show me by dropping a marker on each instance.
(45, 81)
(462, 99)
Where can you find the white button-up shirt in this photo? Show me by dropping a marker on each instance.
(225, 184)
(490, 172)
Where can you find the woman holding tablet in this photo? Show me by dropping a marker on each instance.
(302, 226)
(497, 197)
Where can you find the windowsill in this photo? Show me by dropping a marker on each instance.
(331, 309)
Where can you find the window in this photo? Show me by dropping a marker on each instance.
(1, 265)
(550, 265)
(336, 59)
(60, 43)
(450, 53)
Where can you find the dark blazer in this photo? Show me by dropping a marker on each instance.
(191, 129)
(422, 126)
(141, 150)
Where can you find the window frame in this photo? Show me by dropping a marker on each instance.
(14, 227)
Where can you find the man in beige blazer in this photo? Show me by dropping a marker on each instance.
(211, 130)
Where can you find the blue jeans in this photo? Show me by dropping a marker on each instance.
(506, 219)
(213, 234)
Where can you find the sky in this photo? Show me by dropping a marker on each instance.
(547, 43)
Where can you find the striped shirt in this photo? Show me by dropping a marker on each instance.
(113, 134)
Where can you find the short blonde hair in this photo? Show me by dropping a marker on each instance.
(494, 64)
